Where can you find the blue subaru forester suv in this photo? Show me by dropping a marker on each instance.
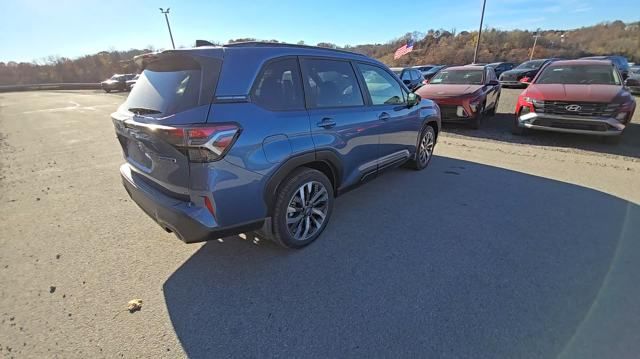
(262, 137)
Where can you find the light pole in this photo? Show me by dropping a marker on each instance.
(475, 53)
(166, 17)
(535, 40)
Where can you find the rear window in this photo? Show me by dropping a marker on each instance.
(579, 75)
(531, 65)
(169, 85)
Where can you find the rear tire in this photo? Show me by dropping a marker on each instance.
(424, 149)
(302, 208)
(107, 91)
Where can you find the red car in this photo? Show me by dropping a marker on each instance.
(464, 93)
(576, 96)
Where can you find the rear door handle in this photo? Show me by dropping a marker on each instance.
(326, 122)
(384, 116)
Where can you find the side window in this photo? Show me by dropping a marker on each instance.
(384, 90)
(279, 87)
(406, 75)
(414, 75)
(331, 83)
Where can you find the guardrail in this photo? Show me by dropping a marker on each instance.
(58, 86)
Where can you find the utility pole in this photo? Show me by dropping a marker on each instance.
(475, 53)
(166, 17)
(535, 40)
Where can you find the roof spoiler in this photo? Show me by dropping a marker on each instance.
(143, 60)
(201, 43)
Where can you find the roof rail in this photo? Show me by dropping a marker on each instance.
(283, 44)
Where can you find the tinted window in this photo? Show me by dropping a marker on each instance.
(384, 90)
(169, 85)
(279, 87)
(531, 65)
(331, 83)
(579, 74)
(406, 75)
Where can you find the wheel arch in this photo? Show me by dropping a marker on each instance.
(326, 162)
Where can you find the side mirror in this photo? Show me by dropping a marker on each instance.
(494, 82)
(412, 99)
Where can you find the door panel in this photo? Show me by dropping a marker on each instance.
(399, 125)
(338, 119)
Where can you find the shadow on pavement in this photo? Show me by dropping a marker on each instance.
(498, 128)
(460, 260)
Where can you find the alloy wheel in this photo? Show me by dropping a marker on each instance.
(307, 210)
(426, 148)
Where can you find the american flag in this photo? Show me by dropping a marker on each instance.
(403, 50)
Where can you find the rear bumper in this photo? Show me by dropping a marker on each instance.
(601, 126)
(188, 222)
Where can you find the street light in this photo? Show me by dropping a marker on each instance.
(475, 53)
(535, 40)
(166, 17)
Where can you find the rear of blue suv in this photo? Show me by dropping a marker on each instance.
(263, 137)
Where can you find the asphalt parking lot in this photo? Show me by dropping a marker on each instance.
(505, 247)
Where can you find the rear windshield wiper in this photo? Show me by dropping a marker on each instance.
(143, 111)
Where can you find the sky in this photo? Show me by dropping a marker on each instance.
(34, 29)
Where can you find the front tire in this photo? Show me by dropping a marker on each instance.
(476, 122)
(424, 150)
(495, 107)
(302, 208)
(612, 140)
(517, 130)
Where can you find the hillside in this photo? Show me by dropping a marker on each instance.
(434, 46)
(446, 47)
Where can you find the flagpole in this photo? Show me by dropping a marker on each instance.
(475, 53)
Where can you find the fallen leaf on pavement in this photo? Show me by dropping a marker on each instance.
(134, 305)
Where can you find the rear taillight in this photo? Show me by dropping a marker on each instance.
(201, 143)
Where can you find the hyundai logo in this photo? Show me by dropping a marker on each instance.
(573, 108)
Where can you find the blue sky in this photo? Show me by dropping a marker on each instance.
(33, 29)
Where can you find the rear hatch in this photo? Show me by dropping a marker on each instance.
(170, 99)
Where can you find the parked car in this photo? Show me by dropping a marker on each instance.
(117, 82)
(428, 74)
(619, 62)
(464, 93)
(412, 78)
(576, 96)
(500, 67)
(632, 83)
(523, 73)
(424, 68)
(263, 136)
(397, 70)
(132, 82)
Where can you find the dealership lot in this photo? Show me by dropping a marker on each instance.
(506, 247)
